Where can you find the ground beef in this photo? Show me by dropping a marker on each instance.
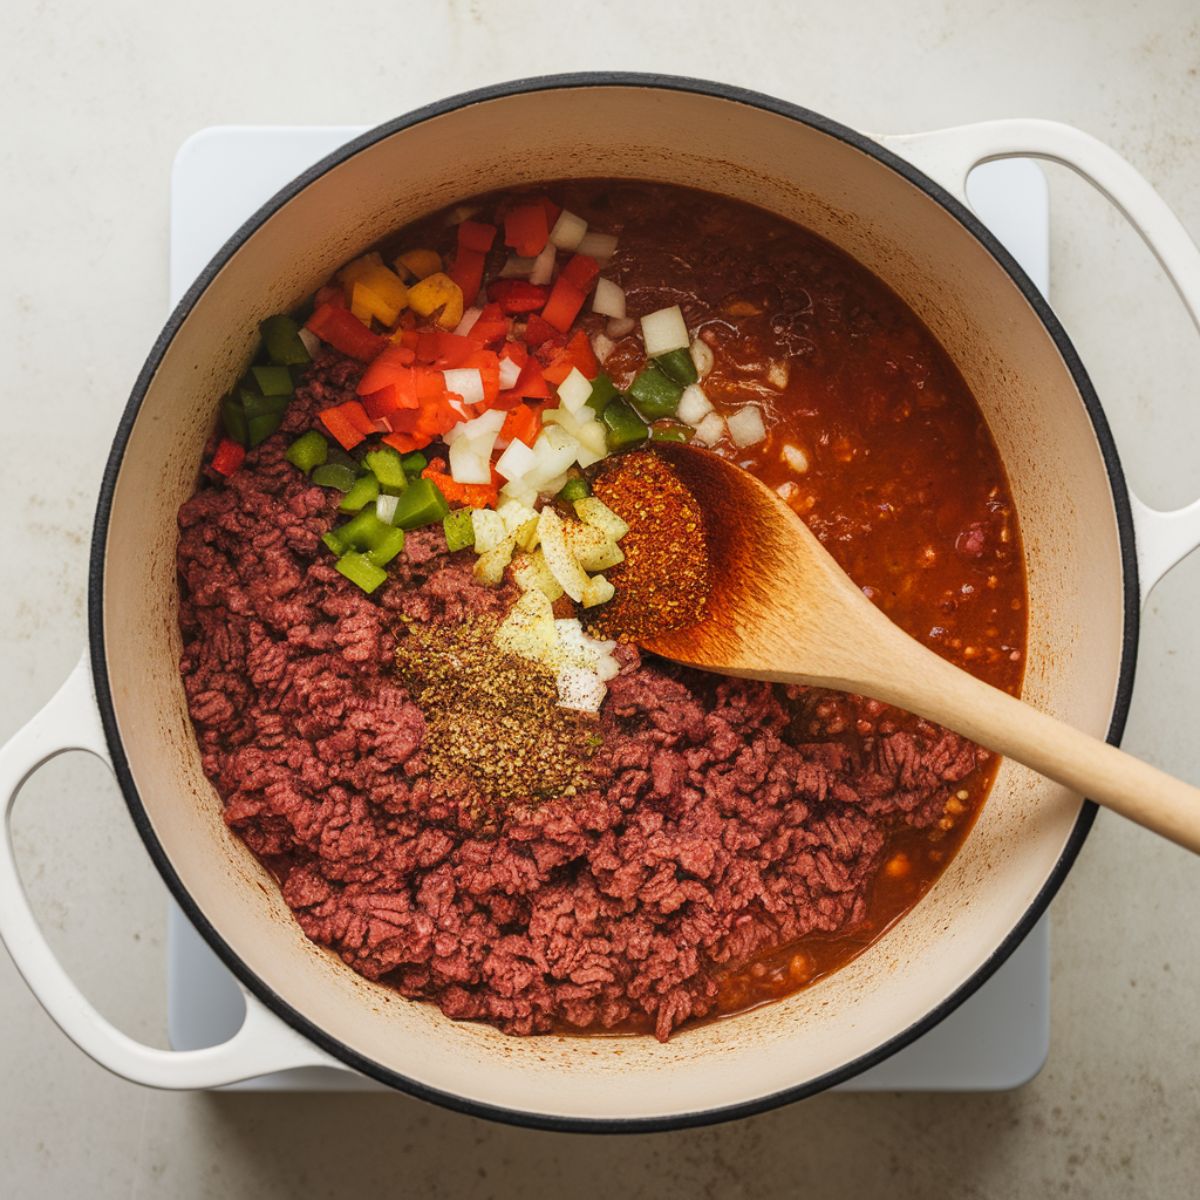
(724, 816)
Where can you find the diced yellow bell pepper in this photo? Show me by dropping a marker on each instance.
(435, 292)
(366, 302)
(359, 267)
(420, 264)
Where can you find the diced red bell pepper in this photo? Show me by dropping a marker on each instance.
(522, 425)
(348, 422)
(228, 457)
(444, 349)
(518, 295)
(472, 495)
(331, 293)
(530, 385)
(475, 235)
(564, 304)
(581, 270)
(576, 353)
(391, 366)
(345, 332)
(526, 229)
(491, 327)
(538, 330)
(406, 443)
(516, 351)
(552, 210)
(467, 272)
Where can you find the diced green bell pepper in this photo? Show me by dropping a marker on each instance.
(603, 390)
(415, 463)
(671, 433)
(622, 426)
(363, 491)
(233, 417)
(361, 571)
(678, 365)
(388, 467)
(421, 504)
(281, 338)
(333, 541)
(654, 394)
(366, 532)
(263, 414)
(272, 380)
(459, 528)
(576, 488)
(309, 451)
(334, 475)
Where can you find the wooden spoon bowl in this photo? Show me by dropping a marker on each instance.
(781, 609)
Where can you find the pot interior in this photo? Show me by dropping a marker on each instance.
(1028, 397)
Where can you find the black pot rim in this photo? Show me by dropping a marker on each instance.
(275, 1002)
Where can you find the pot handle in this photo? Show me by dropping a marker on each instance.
(263, 1044)
(949, 155)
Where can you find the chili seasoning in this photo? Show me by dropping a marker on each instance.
(664, 582)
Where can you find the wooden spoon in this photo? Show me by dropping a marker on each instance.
(782, 610)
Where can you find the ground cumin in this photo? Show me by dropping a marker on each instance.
(664, 582)
(492, 718)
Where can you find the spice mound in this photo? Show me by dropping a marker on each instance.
(492, 718)
(664, 582)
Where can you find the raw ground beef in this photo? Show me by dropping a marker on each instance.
(725, 816)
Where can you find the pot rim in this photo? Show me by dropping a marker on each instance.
(268, 996)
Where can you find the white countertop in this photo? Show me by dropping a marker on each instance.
(98, 100)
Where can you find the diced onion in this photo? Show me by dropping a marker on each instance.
(746, 426)
(510, 372)
(778, 373)
(574, 391)
(694, 405)
(591, 510)
(563, 417)
(702, 357)
(609, 300)
(485, 423)
(602, 346)
(592, 444)
(466, 382)
(516, 267)
(664, 331)
(618, 327)
(600, 246)
(795, 458)
(467, 464)
(555, 451)
(468, 321)
(711, 430)
(543, 266)
(312, 343)
(516, 461)
(580, 690)
(385, 507)
(599, 591)
(568, 231)
(515, 515)
(488, 527)
(559, 558)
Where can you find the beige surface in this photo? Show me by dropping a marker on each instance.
(98, 99)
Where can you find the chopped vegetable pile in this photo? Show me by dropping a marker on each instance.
(480, 356)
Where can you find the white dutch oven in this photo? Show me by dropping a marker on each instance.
(897, 205)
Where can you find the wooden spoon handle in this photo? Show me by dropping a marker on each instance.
(945, 694)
